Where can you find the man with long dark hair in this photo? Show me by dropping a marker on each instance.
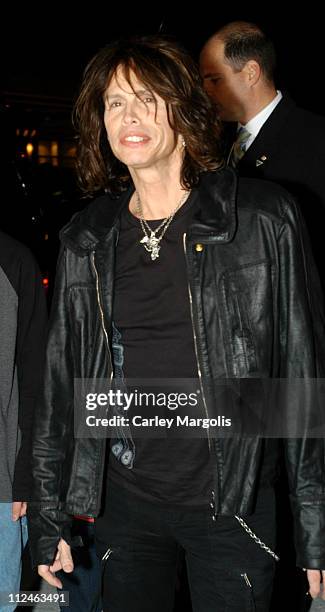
(176, 271)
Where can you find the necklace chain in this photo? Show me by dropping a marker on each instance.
(150, 239)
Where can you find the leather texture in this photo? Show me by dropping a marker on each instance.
(256, 314)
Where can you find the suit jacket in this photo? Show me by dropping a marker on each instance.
(293, 142)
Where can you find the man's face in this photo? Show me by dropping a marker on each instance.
(225, 86)
(137, 125)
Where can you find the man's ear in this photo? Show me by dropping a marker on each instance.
(253, 72)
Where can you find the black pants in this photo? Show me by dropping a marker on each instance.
(227, 570)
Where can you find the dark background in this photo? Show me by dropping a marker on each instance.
(45, 49)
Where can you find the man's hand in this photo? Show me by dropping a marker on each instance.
(314, 578)
(18, 510)
(63, 561)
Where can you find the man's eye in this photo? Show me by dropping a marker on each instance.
(147, 99)
(111, 105)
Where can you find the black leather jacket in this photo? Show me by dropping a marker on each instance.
(254, 314)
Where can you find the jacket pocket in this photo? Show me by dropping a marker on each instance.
(248, 309)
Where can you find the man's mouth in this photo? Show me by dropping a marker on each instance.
(134, 138)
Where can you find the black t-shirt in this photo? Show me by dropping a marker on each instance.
(152, 313)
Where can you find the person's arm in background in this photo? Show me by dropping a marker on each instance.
(30, 347)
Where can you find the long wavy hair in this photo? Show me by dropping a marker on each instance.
(166, 69)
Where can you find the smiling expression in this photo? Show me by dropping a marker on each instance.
(137, 125)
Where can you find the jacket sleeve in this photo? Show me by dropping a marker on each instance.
(46, 521)
(302, 350)
(30, 345)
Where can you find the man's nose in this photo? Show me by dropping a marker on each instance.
(131, 113)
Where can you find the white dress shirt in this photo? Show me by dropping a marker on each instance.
(256, 123)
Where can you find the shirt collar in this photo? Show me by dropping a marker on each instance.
(256, 123)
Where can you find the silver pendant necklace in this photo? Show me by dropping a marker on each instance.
(150, 240)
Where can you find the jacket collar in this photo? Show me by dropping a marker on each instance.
(93, 225)
(214, 220)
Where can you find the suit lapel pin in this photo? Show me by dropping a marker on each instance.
(260, 162)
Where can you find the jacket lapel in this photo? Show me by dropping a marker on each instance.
(268, 139)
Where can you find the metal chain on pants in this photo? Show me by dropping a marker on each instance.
(256, 539)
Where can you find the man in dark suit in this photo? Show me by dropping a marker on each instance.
(275, 139)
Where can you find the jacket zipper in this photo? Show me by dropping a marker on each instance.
(195, 345)
(213, 506)
(92, 259)
(103, 319)
(102, 313)
(212, 503)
